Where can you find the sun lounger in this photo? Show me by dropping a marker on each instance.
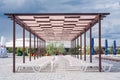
(53, 61)
(105, 66)
(74, 63)
(86, 66)
(36, 65)
(10, 55)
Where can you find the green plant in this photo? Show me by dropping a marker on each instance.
(76, 50)
(103, 50)
(70, 51)
(96, 49)
(110, 50)
(19, 51)
(50, 49)
(60, 49)
(87, 49)
(10, 50)
(118, 51)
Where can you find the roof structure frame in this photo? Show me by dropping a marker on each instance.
(89, 25)
(26, 27)
(36, 22)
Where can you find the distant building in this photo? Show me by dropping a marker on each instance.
(19, 43)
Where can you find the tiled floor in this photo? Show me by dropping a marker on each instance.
(7, 74)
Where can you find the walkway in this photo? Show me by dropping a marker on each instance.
(7, 74)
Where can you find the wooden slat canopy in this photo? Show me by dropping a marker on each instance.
(57, 26)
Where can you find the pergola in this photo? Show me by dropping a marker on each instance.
(57, 27)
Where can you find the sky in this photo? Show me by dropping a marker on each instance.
(110, 24)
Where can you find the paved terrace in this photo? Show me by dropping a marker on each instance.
(59, 72)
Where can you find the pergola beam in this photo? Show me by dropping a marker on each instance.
(55, 14)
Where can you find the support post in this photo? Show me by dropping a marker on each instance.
(71, 46)
(77, 41)
(23, 45)
(99, 20)
(14, 40)
(30, 45)
(37, 47)
(75, 46)
(45, 44)
(85, 46)
(90, 44)
(78, 47)
(81, 47)
(40, 47)
(34, 48)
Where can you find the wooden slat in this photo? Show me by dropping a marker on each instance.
(50, 25)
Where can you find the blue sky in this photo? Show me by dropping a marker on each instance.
(110, 24)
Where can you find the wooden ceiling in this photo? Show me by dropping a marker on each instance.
(57, 26)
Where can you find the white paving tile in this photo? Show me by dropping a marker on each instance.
(7, 74)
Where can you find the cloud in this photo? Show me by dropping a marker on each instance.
(77, 2)
(110, 24)
(6, 28)
(107, 5)
(56, 5)
(12, 4)
(112, 32)
(21, 6)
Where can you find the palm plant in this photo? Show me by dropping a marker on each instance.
(50, 49)
(60, 49)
